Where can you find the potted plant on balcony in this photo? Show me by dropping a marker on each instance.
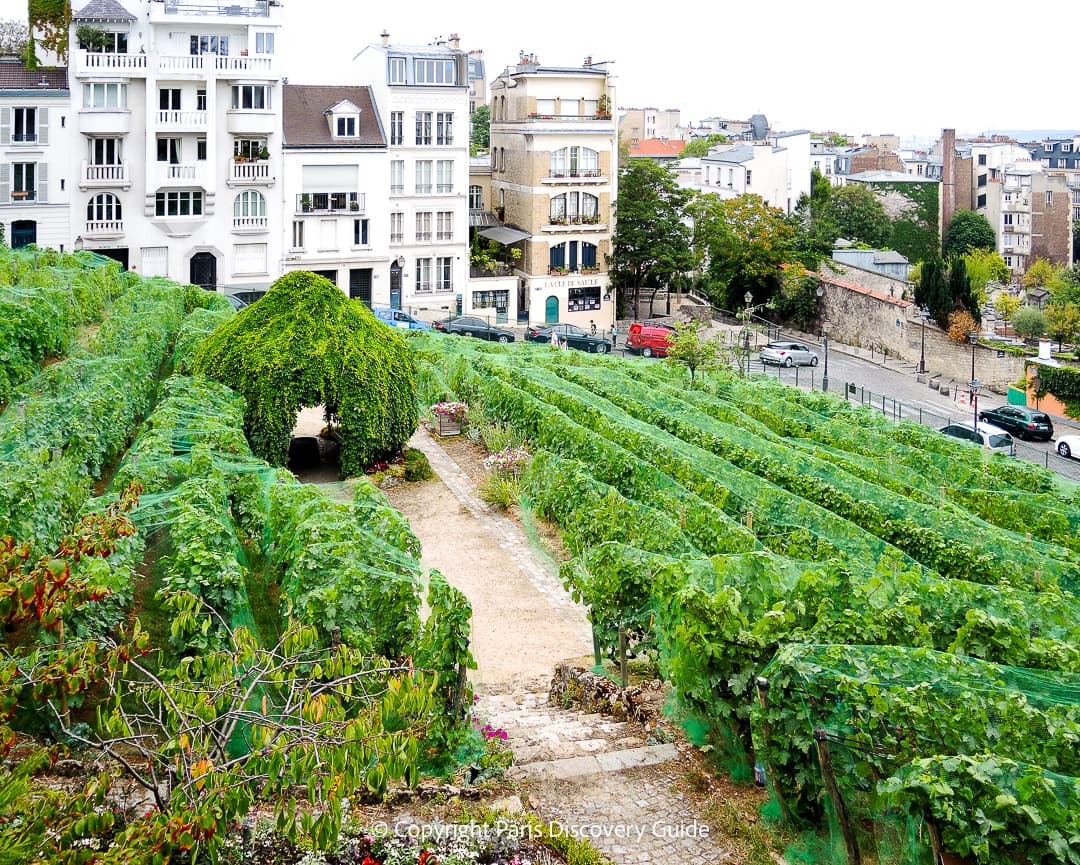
(603, 107)
(305, 203)
(264, 154)
(354, 205)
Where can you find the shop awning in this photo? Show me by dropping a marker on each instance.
(504, 235)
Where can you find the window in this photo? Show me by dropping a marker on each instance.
(103, 208)
(981, 201)
(106, 43)
(397, 176)
(444, 127)
(423, 275)
(568, 108)
(444, 274)
(578, 299)
(249, 258)
(105, 94)
(423, 176)
(982, 180)
(397, 70)
(575, 162)
(169, 99)
(588, 255)
(545, 107)
(264, 43)
(397, 119)
(168, 150)
(154, 260)
(360, 232)
(476, 198)
(749, 174)
(248, 148)
(25, 125)
(200, 148)
(1008, 219)
(249, 203)
(210, 45)
(557, 209)
(445, 175)
(22, 188)
(252, 96)
(423, 227)
(982, 159)
(1066, 148)
(200, 100)
(346, 127)
(104, 151)
(435, 71)
(1008, 261)
(1049, 197)
(557, 256)
(298, 234)
(591, 107)
(423, 127)
(445, 225)
(397, 230)
(178, 203)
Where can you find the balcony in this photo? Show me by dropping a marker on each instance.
(186, 174)
(97, 176)
(93, 62)
(103, 228)
(575, 223)
(576, 176)
(180, 121)
(250, 224)
(243, 65)
(254, 172)
(331, 202)
(193, 9)
(104, 121)
(251, 122)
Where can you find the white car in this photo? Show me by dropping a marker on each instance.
(1069, 446)
(788, 354)
(991, 437)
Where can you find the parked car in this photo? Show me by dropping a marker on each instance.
(650, 339)
(987, 435)
(1021, 421)
(470, 325)
(1069, 446)
(236, 302)
(246, 297)
(397, 318)
(576, 337)
(788, 354)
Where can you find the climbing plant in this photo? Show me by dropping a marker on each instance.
(1063, 383)
(306, 344)
(52, 19)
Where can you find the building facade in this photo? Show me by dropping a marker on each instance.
(336, 177)
(34, 155)
(554, 147)
(1062, 156)
(776, 169)
(637, 125)
(177, 159)
(422, 95)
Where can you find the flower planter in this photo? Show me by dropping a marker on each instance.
(448, 427)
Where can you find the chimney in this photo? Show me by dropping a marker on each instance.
(588, 61)
(1045, 349)
(385, 37)
(455, 41)
(948, 177)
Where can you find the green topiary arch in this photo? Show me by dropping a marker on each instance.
(304, 344)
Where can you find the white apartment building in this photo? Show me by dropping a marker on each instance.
(336, 186)
(554, 151)
(422, 94)
(177, 161)
(775, 169)
(34, 192)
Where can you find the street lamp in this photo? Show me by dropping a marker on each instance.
(973, 337)
(924, 314)
(748, 297)
(820, 292)
(826, 326)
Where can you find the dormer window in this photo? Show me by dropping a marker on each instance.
(344, 119)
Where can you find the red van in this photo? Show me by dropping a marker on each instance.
(650, 339)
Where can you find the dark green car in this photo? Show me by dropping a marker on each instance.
(1022, 421)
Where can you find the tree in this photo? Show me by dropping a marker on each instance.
(960, 290)
(1063, 322)
(858, 215)
(931, 290)
(1029, 322)
(1040, 273)
(480, 130)
(700, 146)
(968, 230)
(689, 350)
(14, 37)
(960, 325)
(744, 244)
(1006, 305)
(651, 243)
(985, 266)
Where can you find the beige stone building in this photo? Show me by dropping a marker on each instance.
(554, 178)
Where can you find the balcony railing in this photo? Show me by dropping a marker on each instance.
(575, 172)
(180, 171)
(423, 237)
(258, 9)
(243, 64)
(93, 61)
(171, 119)
(574, 220)
(100, 227)
(23, 137)
(397, 188)
(253, 171)
(561, 270)
(397, 238)
(105, 175)
(444, 188)
(331, 202)
(250, 223)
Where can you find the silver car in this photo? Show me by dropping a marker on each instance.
(991, 437)
(788, 354)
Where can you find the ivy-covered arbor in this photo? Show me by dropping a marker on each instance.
(304, 344)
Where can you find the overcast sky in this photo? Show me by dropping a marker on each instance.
(907, 68)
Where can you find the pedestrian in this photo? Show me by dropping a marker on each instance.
(592, 327)
(565, 344)
(614, 334)
(554, 338)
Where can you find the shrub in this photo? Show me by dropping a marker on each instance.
(417, 467)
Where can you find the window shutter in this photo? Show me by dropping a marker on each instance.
(5, 182)
(43, 127)
(5, 124)
(43, 182)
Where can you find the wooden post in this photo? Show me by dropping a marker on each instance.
(459, 690)
(597, 659)
(622, 655)
(749, 521)
(766, 730)
(842, 817)
(935, 839)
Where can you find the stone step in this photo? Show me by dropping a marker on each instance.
(568, 768)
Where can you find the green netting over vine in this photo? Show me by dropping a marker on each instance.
(306, 344)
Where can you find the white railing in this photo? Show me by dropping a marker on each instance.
(180, 63)
(243, 64)
(182, 119)
(180, 171)
(250, 172)
(104, 173)
(258, 9)
(250, 223)
(93, 60)
(104, 226)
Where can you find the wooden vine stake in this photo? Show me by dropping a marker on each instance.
(597, 659)
(766, 729)
(935, 839)
(842, 816)
(622, 655)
